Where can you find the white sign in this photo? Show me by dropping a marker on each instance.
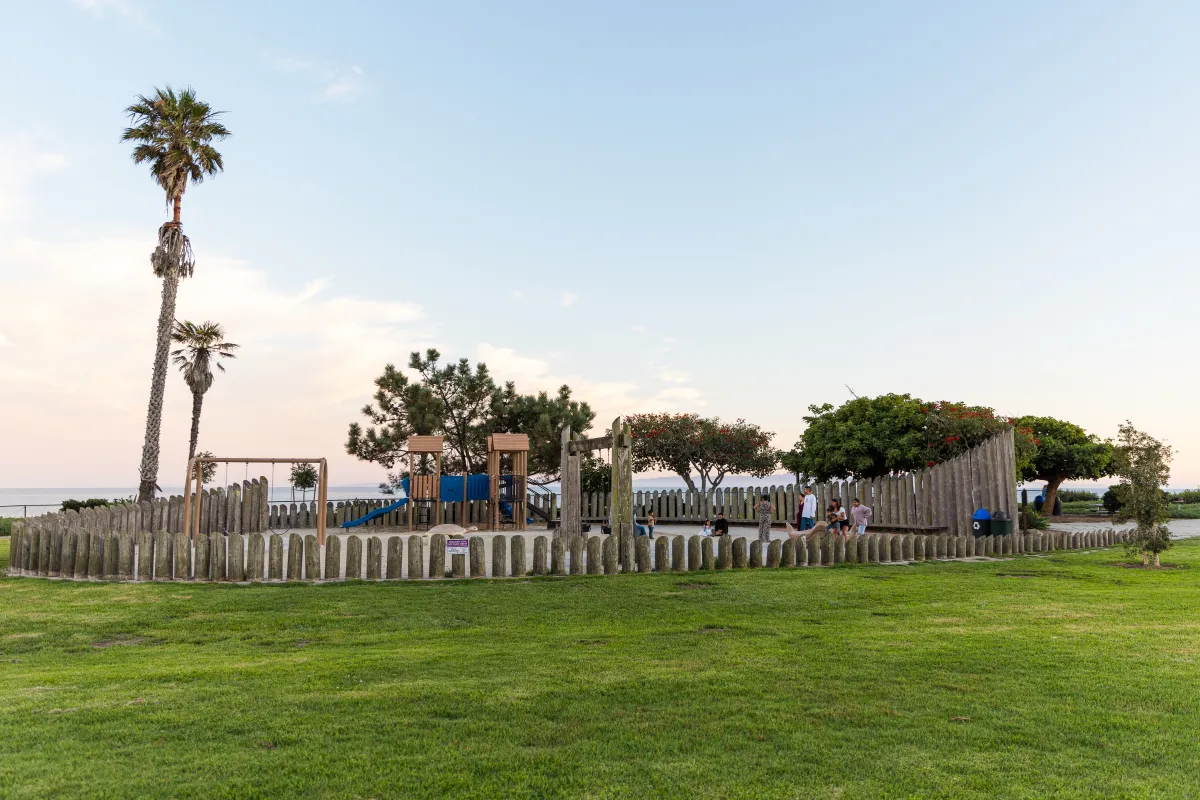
(457, 547)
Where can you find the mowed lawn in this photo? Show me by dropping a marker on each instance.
(1061, 675)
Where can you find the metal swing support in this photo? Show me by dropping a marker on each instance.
(195, 474)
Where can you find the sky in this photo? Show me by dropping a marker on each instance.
(738, 209)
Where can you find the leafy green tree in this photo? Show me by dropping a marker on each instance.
(304, 477)
(543, 418)
(173, 133)
(1144, 465)
(464, 404)
(594, 475)
(1110, 500)
(870, 437)
(208, 472)
(688, 444)
(201, 348)
(1064, 452)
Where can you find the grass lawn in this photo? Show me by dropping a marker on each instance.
(1059, 675)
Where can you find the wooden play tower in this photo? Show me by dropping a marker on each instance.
(510, 488)
(425, 490)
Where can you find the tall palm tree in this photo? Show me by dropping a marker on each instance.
(203, 347)
(173, 132)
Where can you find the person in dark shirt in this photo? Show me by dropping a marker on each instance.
(721, 527)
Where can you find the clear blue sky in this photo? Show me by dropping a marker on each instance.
(727, 208)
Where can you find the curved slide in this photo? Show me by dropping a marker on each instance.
(379, 512)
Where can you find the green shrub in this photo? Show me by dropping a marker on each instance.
(1186, 511)
(1188, 496)
(1077, 496)
(6, 524)
(1111, 502)
(79, 505)
(1035, 521)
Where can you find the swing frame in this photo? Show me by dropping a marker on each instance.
(195, 472)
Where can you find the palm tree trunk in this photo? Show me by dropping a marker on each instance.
(178, 202)
(197, 402)
(158, 388)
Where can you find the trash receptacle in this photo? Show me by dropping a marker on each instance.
(1001, 524)
(981, 522)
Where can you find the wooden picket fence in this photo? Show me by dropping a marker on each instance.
(87, 547)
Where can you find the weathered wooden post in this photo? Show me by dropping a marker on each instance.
(575, 547)
(312, 558)
(756, 554)
(499, 556)
(162, 555)
(295, 556)
(706, 553)
(678, 555)
(333, 558)
(374, 558)
(182, 556)
(621, 504)
(642, 554)
(145, 556)
(202, 554)
(609, 555)
(739, 552)
(571, 515)
(775, 553)
(693, 552)
(518, 556)
(725, 552)
(814, 549)
(558, 556)
(594, 564)
(475, 549)
(662, 554)
(255, 555)
(539, 555)
(416, 556)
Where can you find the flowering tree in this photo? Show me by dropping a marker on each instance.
(1144, 465)
(870, 437)
(688, 445)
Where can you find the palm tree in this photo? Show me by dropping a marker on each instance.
(203, 346)
(174, 133)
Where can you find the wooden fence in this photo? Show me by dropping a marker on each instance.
(88, 547)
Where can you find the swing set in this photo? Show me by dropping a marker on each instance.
(195, 473)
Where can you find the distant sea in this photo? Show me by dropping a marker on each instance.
(22, 502)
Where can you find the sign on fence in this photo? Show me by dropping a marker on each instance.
(457, 547)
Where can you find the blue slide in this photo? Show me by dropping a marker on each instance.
(379, 512)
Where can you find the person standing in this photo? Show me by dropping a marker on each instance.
(808, 510)
(650, 520)
(766, 511)
(862, 515)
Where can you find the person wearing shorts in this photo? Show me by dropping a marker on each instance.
(861, 515)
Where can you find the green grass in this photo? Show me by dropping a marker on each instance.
(1185, 511)
(1060, 675)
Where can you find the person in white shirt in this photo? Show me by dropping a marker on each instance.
(808, 512)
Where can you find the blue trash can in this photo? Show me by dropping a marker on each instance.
(981, 522)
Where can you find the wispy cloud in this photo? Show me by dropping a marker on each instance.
(332, 83)
(568, 299)
(22, 159)
(119, 8)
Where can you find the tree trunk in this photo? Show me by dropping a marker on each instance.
(1145, 559)
(1051, 495)
(197, 402)
(687, 478)
(175, 215)
(1157, 563)
(158, 388)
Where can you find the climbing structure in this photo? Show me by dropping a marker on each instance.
(507, 492)
(425, 497)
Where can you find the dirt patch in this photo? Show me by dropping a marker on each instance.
(960, 719)
(1016, 575)
(695, 585)
(713, 629)
(593, 642)
(1150, 567)
(120, 642)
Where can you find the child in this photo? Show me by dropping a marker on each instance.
(862, 515)
(650, 520)
(707, 529)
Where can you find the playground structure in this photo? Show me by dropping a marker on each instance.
(195, 472)
(620, 509)
(507, 489)
(425, 495)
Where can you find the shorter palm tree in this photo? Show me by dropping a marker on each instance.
(202, 347)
